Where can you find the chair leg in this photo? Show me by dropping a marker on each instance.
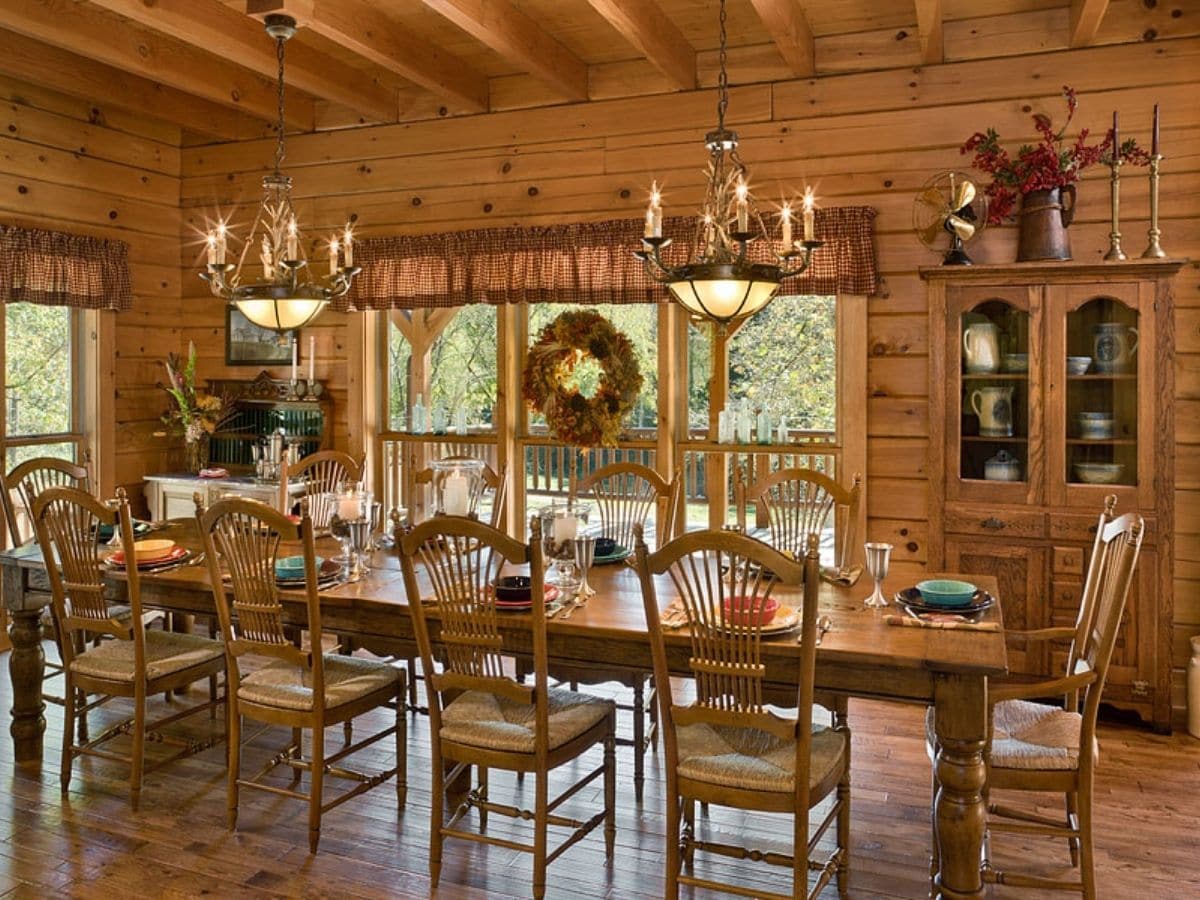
(653, 701)
(316, 787)
(437, 807)
(138, 754)
(610, 792)
(673, 839)
(401, 755)
(689, 823)
(69, 708)
(639, 735)
(541, 801)
(410, 665)
(297, 752)
(234, 757)
(482, 793)
(843, 794)
(935, 859)
(1087, 862)
(800, 854)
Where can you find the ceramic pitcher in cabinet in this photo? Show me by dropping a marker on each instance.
(981, 347)
(994, 407)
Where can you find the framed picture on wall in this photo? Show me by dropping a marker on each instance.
(247, 344)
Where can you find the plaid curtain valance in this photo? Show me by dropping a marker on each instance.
(586, 262)
(57, 269)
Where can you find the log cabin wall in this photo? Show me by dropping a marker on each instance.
(88, 168)
(865, 138)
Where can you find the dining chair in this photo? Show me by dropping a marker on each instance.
(725, 747)
(135, 663)
(793, 503)
(494, 481)
(1035, 746)
(625, 495)
(277, 683)
(26, 480)
(479, 715)
(320, 473)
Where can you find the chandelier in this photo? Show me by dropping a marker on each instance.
(721, 283)
(279, 299)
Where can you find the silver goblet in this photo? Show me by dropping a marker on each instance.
(878, 556)
(585, 552)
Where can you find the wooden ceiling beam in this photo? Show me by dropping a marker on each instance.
(358, 26)
(215, 27)
(1086, 16)
(930, 31)
(518, 38)
(89, 31)
(792, 34)
(76, 76)
(647, 27)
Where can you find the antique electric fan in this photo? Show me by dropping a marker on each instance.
(949, 203)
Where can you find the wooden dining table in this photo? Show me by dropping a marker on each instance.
(860, 656)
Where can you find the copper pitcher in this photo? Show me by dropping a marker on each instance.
(1045, 216)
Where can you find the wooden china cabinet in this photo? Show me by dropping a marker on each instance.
(1051, 386)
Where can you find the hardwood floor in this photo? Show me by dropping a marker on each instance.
(91, 845)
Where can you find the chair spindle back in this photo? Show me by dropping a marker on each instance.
(798, 502)
(625, 495)
(29, 479)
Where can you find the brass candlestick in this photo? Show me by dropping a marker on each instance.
(1114, 237)
(1154, 250)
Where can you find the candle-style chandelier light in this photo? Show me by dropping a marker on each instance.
(279, 299)
(721, 283)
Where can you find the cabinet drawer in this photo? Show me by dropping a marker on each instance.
(1068, 561)
(1065, 597)
(1070, 527)
(1008, 523)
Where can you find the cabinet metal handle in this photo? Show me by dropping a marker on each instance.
(993, 523)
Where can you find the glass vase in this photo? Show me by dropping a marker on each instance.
(196, 453)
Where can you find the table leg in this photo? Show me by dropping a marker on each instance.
(960, 720)
(26, 667)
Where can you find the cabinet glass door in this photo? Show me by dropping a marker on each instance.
(994, 422)
(1102, 393)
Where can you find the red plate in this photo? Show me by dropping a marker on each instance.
(176, 552)
(550, 593)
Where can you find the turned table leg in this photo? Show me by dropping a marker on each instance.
(26, 666)
(960, 720)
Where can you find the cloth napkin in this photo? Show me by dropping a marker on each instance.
(675, 615)
(944, 621)
(847, 577)
(215, 472)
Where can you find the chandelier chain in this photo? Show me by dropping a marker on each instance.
(723, 75)
(279, 42)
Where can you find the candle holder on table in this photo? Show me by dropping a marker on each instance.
(351, 524)
(457, 486)
(561, 524)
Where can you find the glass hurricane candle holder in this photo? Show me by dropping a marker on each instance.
(561, 524)
(351, 525)
(457, 486)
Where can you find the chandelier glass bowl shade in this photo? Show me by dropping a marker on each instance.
(284, 293)
(721, 283)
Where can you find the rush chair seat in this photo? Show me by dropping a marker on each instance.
(136, 663)
(294, 687)
(481, 717)
(725, 746)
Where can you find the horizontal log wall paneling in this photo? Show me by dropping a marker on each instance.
(90, 169)
(866, 138)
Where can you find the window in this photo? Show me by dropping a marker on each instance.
(42, 408)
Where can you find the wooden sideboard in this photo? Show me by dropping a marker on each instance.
(171, 496)
(1034, 532)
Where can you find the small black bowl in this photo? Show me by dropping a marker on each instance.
(514, 588)
(605, 546)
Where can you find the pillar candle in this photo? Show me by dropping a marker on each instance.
(565, 528)
(455, 500)
(786, 240)
(211, 241)
(348, 246)
(292, 243)
(743, 208)
(221, 243)
(809, 215)
(333, 256)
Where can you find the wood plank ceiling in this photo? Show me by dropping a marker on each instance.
(207, 66)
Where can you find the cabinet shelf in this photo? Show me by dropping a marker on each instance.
(984, 439)
(1102, 442)
(1127, 376)
(995, 376)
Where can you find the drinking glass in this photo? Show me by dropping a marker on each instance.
(878, 556)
